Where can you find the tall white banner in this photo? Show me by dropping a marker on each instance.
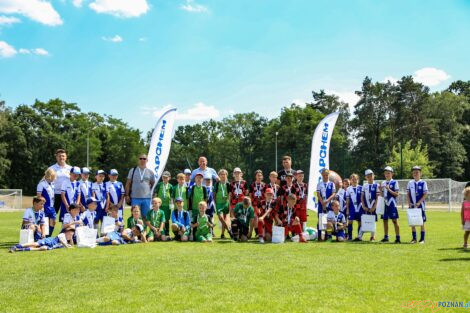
(320, 156)
(160, 143)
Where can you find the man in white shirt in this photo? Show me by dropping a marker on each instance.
(62, 170)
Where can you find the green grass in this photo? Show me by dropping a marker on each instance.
(238, 277)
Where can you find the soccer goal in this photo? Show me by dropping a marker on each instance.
(11, 199)
(444, 194)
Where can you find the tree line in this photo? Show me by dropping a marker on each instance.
(400, 124)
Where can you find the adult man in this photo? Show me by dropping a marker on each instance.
(204, 170)
(287, 164)
(140, 181)
(62, 170)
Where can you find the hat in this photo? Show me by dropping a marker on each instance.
(237, 170)
(179, 199)
(113, 172)
(388, 169)
(187, 171)
(139, 227)
(199, 174)
(166, 174)
(91, 200)
(368, 172)
(207, 176)
(100, 172)
(85, 170)
(416, 167)
(76, 170)
(299, 172)
(269, 190)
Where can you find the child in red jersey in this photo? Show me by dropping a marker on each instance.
(239, 189)
(266, 216)
(257, 189)
(302, 190)
(288, 217)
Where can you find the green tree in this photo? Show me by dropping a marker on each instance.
(410, 157)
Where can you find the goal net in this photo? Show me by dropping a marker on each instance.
(11, 199)
(443, 194)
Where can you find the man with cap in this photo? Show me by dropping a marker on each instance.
(204, 169)
(139, 184)
(85, 188)
(164, 190)
(287, 169)
(187, 177)
(180, 221)
(100, 193)
(70, 192)
(62, 170)
(417, 191)
(89, 216)
(115, 192)
(389, 189)
(369, 197)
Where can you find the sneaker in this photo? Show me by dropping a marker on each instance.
(384, 240)
(397, 241)
(12, 249)
(222, 236)
(230, 234)
(357, 239)
(261, 240)
(372, 239)
(465, 246)
(421, 241)
(413, 241)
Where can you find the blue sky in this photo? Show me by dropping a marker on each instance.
(213, 58)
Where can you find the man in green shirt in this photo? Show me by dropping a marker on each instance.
(156, 221)
(164, 191)
(241, 223)
(203, 232)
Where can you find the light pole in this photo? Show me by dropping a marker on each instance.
(88, 149)
(277, 133)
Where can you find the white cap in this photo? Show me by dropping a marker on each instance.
(85, 170)
(416, 168)
(187, 171)
(388, 169)
(76, 170)
(113, 172)
(368, 172)
(207, 176)
(237, 170)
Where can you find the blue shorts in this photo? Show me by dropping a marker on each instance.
(51, 243)
(114, 236)
(355, 216)
(62, 213)
(100, 214)
(339, 233)
(50, 213)
(144, 204)
(391, 212)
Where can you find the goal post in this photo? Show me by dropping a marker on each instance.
(11, 199)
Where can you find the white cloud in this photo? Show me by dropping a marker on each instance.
(7, 51)
(115, 38)
(300, 102)
(391, 79)
(346, 96)
(38, 10)
(8, 20)
(191, 6)
(198, 112)
(77, 3)
(24, 51)
(40, 51)
(430, 76)
(120, 8)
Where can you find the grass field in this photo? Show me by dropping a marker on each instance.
(238, 277)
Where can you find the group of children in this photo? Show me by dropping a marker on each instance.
(241, 208)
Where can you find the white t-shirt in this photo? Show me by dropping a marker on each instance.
(69, 219)
(62, 174)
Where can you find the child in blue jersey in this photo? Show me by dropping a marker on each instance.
(389, 189)
(417, 190)
(88, 217)
(85, 188)
(341, 197)
(33, 218)
(180, 221)
(46, 244)
(115, 192)
(45, 189)
(336, 222)
(370, 194)
(354, 205)
(326, 192)
(99, 193)
(72, 220)
(210, 199)
(70, 192)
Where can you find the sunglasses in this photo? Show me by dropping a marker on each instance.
(143, 159)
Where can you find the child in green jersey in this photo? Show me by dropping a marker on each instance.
(203, 233)
(163, 191)
(156, 221)
(221, 190)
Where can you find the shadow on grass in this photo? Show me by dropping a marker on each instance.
(7, 245)
(455, 259)
(448, 249)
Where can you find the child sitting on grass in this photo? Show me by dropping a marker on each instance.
(48, 243)
(135, 217)
(33, 218)
(465, 216)
(336, 222)
(134, 234)
(203, 232)
(156, 222)
(72, 220)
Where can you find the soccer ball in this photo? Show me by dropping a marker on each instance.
(310, 233)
